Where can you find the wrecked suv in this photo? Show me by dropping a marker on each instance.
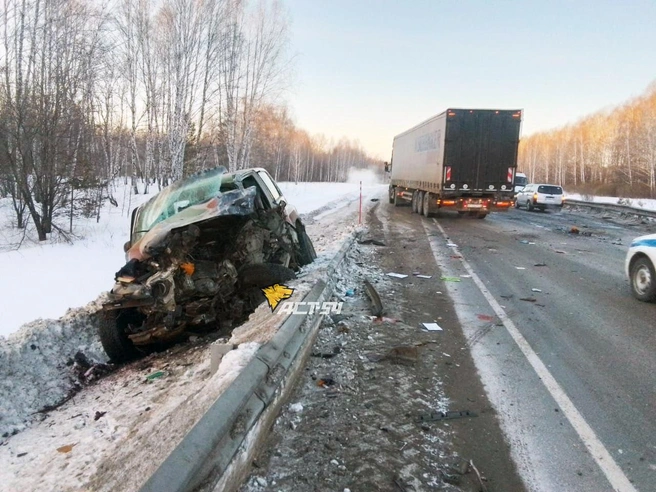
(198, 255)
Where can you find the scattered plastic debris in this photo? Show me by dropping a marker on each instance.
(296, 407)
(432, 326)
(559, 251)
(452, 245)
(456, 257)
(98, 415)
(349, 293)
(66, 449)
(540, 264)
(485, 317)
(423, 276)
(450, 279)
(396, 275)
(402, 354)
(524, 241)
(574, 230)
(528, 299)
(466, 276)
(535, 290)
(155, 375)
(325, 382)
(520, 268)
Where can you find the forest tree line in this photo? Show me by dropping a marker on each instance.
(151, 90)
(611, 153)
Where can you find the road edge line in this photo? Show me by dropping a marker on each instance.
(609, 467)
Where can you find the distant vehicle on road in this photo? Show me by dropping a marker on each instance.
(462, 159)
(540, 196)
(520, 181)
(640, 267)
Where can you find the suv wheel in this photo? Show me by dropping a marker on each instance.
(643, 280)
(306, 248)
(529, 205)
(112, 329)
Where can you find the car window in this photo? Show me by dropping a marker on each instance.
(550, 190)
(268, 182)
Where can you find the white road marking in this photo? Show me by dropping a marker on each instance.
(599, 453)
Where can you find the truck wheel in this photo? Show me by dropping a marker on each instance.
(420, 202)
(390, 194)
(306, 248)
(643, 280)
(426, 205)
(112, 329)
(414, 202)
(397, 199)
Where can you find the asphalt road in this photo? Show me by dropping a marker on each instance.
(567, 297)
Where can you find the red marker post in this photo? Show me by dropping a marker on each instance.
(360, 215)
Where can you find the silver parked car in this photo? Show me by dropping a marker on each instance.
(540, 196)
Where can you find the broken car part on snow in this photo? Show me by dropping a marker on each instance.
(198, 255)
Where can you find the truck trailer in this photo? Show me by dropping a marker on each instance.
(462, 159)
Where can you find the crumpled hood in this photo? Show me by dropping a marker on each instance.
(235, 202)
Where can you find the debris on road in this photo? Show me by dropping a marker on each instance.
(485, 317)
(155, 375)
(327, 355)
(520, 268)
(402, 354)
(67, 448)
(450, 279)
(540, 265)
(452, 245)
(432, 326)
(376, 303)
(418, 275)
(528, 299)
(535, 290)
(437, 416)
(374, 241)
(396, 275)
(296, 407)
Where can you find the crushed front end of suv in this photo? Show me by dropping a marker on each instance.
(200, 252)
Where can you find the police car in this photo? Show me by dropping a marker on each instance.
(640, 267)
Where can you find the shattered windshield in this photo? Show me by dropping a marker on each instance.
(182, 194)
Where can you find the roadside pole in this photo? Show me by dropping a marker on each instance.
(360, 214)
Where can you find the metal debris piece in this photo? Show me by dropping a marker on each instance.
(528, 299)
(371, 240)
(535, 290)
(98, 415)
(438, 416)
(327, 355)
(540, 264)
(376, 303)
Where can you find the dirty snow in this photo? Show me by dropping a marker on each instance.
(112, 430)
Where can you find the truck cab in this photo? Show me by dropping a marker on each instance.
(520, 181)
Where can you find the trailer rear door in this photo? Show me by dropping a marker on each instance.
(481, 149)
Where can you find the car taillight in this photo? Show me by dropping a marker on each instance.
(535, 197)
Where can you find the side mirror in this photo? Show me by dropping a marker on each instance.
(282, 204)
(388, 167)
(127, 246)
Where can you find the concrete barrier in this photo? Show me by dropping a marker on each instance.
(218, 450)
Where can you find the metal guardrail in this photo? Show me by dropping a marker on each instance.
(210, 446)
(611, 207)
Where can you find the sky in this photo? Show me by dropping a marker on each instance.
(371, 69)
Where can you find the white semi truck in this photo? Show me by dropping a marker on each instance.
(462, 159)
